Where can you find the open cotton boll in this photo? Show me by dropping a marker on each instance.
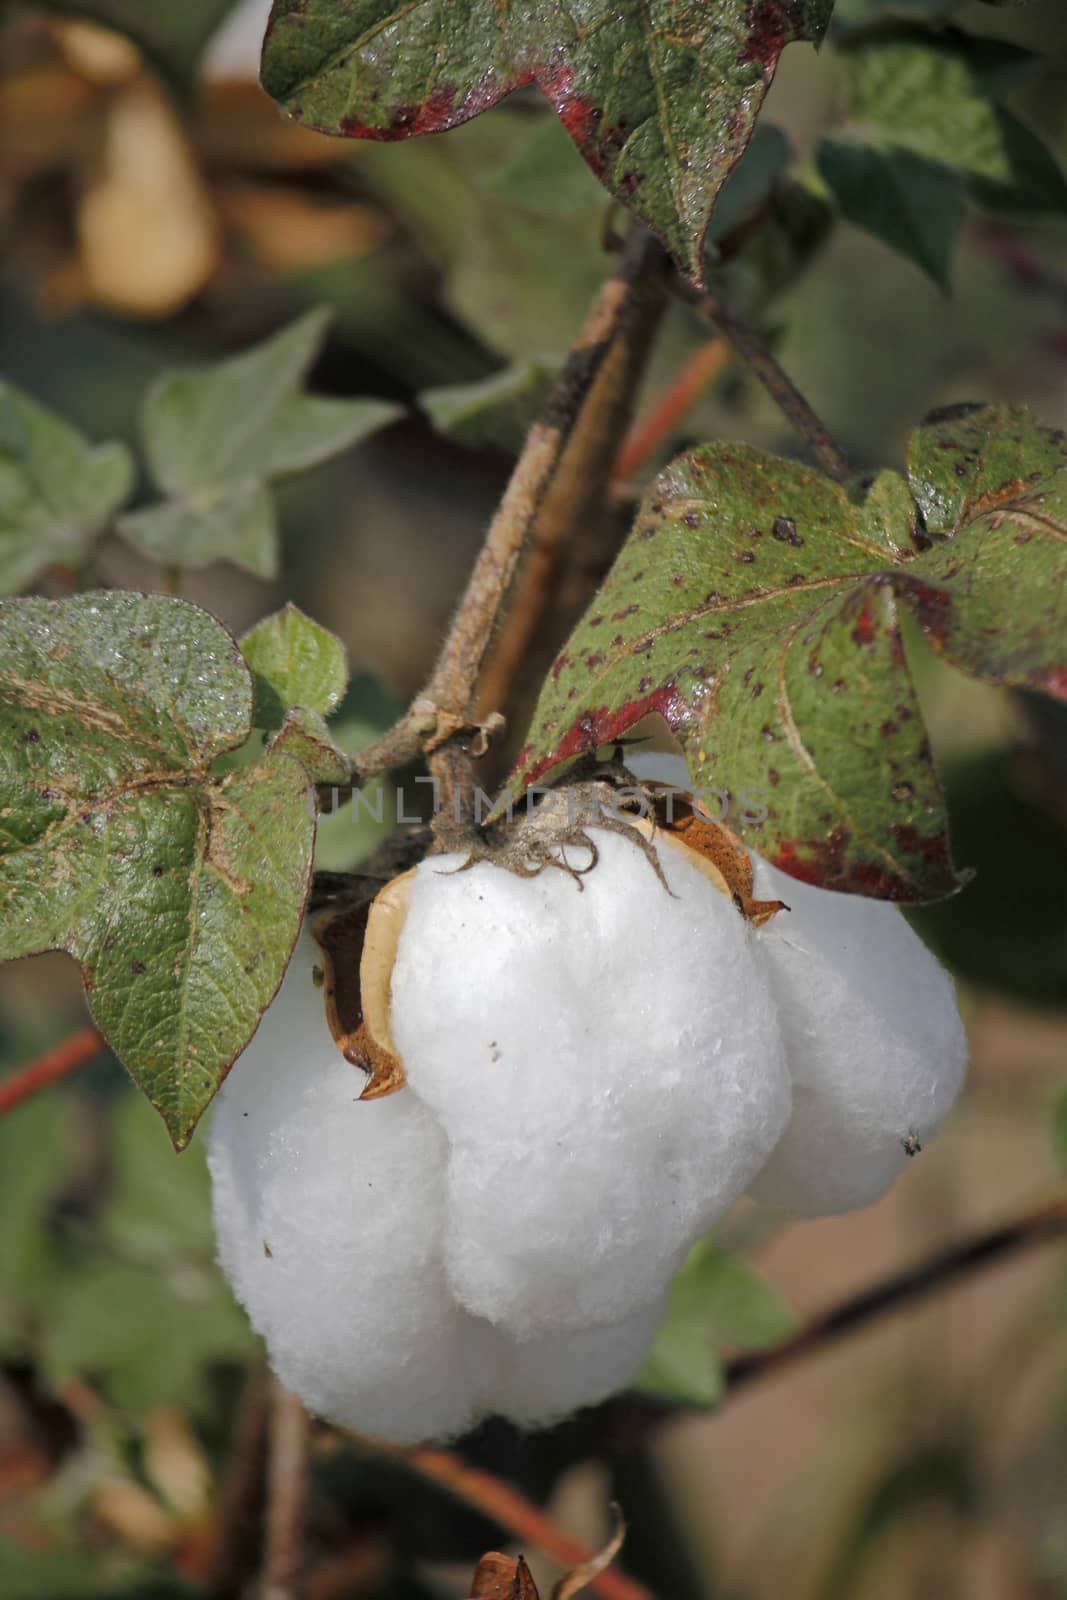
(874, 1042)
(547, 1377)
(606, 1063)
(328, 1214)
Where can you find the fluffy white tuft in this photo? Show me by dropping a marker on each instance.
(606, 1064)
(547, 1377)
(346, 1198)
(874, 1042)
(352, 1298)
(594, 1076)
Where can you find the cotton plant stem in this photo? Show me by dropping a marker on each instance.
(444, 707)
(290, 1433)
(777, 382)
(699, 371)
(50, 1067)
(240, 1496)
(578, 493)
(956, 1262)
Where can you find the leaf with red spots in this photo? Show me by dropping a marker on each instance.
(992, 487)
(756, 608)
(179, 891)
(660, 96)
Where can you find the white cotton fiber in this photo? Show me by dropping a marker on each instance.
(606, 1064)
(547, 1377)
(234, 49)
(874, 1042)
(328, 1214)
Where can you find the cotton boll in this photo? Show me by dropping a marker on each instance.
(606, 1064)
(234, 49)
(545, 1378)
(328, 1214)
(874, 1043)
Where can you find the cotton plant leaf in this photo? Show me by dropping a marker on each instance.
(294, 662)
(991, 485)
(757, 608)
(300, 673)
(496, 411)
(305, 736)
(215, 437)
(934, 95)
(660, 97)
(179, 893)
(235, 523)
(715, 1300)
(58, 492)
(143, 1308)
(913, 205)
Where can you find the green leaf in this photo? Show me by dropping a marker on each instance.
(305, 736)
(714, 1301)
(33, 1173)
(179, 893)
(235, 524)
(544, 176)
(294, 662)
(931, 95)
(756, 609)
(1037, 182)
(913, 205)
(498, 410)
(141, 1305)
(173, 37)
(146, 1333)
(215, 436)
(57, 491)
(660, 98)
(752, 181)
(349, 833)
(1008, 933)
(992, 487)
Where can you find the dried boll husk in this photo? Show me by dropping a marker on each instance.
(358, 946)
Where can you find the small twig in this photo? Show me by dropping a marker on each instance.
(584, 1576)
(577, 500)
(50, 1067)
(450, 692)
(509, 1509)
(948, 1266)
(701, 369)
(240, 1495)
(290, 1433)
(781, 388)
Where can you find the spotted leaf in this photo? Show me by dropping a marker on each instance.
(180, 893)
(757, 608)
(660, 96)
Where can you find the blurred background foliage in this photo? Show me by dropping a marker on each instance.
(155, 211)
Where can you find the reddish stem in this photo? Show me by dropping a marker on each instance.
(49, 1068)
(520, 1517)
(702, 368)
